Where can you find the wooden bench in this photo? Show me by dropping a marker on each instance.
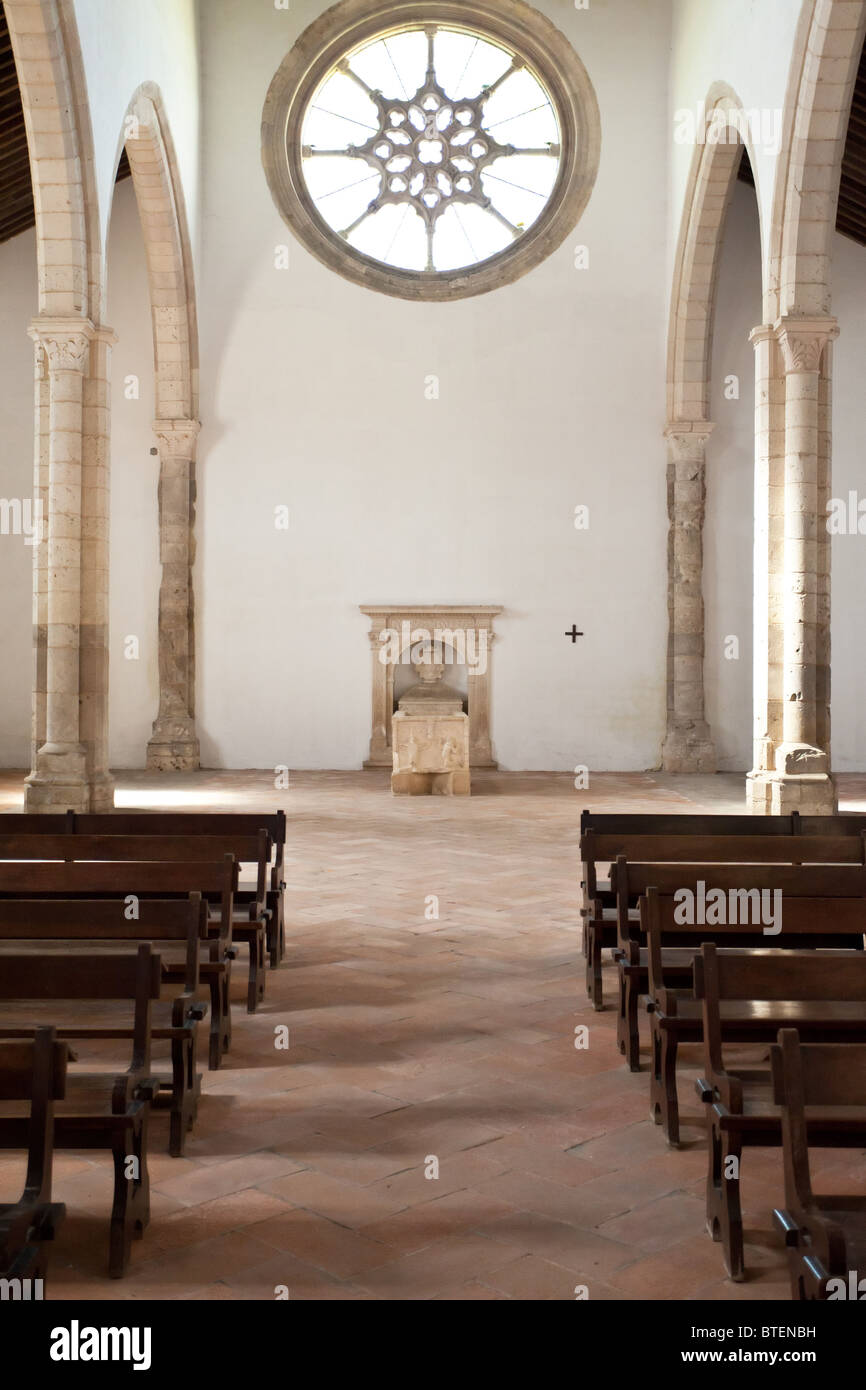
(249, 924)
(99, 1110)
(143, 881)
(823, 908)
(33, 1071)
(601, 927)
(631, 883)
(825, 1235)
(179, 926)
(621, 827)
(183, 824)
(823, 994)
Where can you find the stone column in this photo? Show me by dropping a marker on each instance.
(688, 746)
(768, 568)
(58, 780)
(383, 699)
(478, 701)
(95, 493)
(174, 745)
(40, 551)
(801, 776)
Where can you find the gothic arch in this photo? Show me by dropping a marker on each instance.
(688, 745)
(711, 182)
(162, 215)
(810, 166)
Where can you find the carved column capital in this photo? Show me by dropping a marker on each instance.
(763, 333)
(177, 438)
(687, 440)
(803, 341)
(64, 341)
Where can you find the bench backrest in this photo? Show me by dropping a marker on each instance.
(216, 882)
(727, 849)
(772, 976)
(182, 823)
(803, 919)
(740, 887)
(825, 1074)
(157, 849)
(689, 823)
(107, 919)
(133, 975)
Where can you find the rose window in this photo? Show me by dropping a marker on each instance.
(430, 149)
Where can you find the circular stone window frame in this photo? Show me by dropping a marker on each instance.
(348, 25)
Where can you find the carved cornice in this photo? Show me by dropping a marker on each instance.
(803, 341)
(176, 437)
(64, 341)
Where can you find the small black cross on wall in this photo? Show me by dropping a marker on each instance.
(574, 634)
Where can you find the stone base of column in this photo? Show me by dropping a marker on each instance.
(173, 747)
(689, 748)
(58, 782)
(800, 781)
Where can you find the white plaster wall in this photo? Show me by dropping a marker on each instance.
(848, 552)
(18, 304)
(749, 45)
(728, 530)
(135, 569)
(551, 396)
(125, 43)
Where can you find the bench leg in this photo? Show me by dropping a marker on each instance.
(185, 1090)
(724, 1216)
(594, 987)
(664, 1103)
(220, 1019)
(130, 1211)
(627, 1033)
(256, 984)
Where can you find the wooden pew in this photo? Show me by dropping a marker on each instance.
(622, 827)
(250, 927)
(601, 927)
(33, 1071)
(179, 926)
(823, 908)
(822, 994)
(825, 1235)
(182, 823)
(633, 880)
(142, 881)
(99, 1111)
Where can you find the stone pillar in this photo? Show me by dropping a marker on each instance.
(95, 493)
(768, 568)
(800, 777)
(383, 699)
(58, 780)
(688, 746)
(40, 551)
(174, 745)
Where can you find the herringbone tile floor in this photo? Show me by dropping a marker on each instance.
(432, 1132)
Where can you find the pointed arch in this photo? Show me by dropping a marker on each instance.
(162, 214)
(716, 159)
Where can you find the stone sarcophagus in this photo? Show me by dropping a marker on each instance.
(431, 754)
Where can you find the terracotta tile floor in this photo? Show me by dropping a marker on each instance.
(420, 1043)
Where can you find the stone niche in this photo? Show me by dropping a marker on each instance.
(465, 636)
